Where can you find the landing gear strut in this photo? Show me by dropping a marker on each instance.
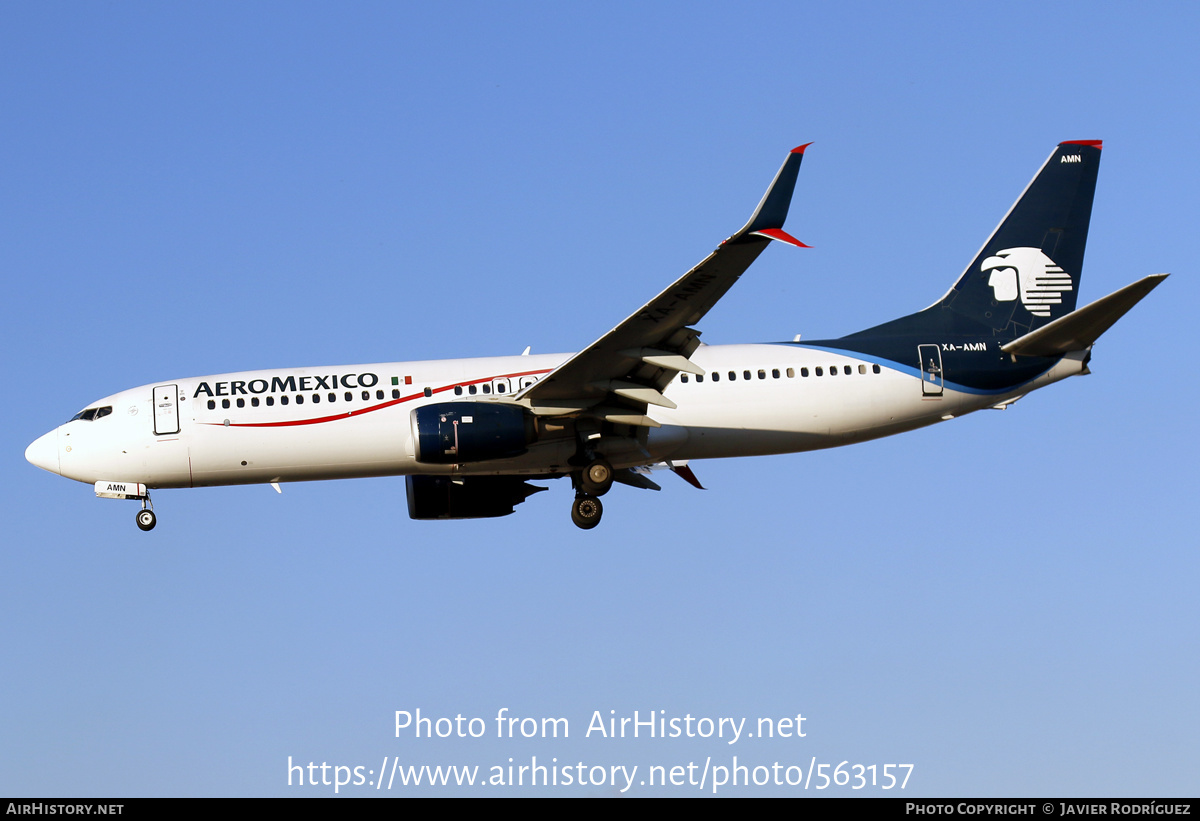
(146, 520)
(586, 511)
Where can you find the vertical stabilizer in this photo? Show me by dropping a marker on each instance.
(1027, 273)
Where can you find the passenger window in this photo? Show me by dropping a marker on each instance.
(378, 394)
(254, 401)
(846, 370)
(745, 374)
(683, 378)
(774, 373)
(819, 371)
(283, 400)
(875, 369)
(699, 378)
(332, 396)
(487, 388)
(733, 376)
(471, 389)
(428, 392)
(366, 395)
(212, 404)
(791, 372)
(241, 402)
(270, 401)
(395, 393)
(763, 374)
(458, 390)
(862, 368)
(316, 398)
(716, 376)
(299, 399)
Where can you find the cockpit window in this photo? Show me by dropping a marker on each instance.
(92, 414)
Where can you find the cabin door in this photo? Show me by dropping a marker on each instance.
(166, 409)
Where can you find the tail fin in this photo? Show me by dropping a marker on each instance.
(1027, 273)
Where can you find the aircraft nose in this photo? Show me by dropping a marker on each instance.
(43, 452)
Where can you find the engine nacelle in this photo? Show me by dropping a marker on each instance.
(475, 497)
(452, 433)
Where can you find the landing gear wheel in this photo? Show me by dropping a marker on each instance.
(146, 519)
(586, 511)
(597, 478)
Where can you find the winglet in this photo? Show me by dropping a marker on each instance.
(772, 211)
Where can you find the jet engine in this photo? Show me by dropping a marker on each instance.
(453, 433)
(475, 497)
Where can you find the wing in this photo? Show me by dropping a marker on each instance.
(622, 372)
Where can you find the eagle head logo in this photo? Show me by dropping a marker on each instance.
(1031, 274)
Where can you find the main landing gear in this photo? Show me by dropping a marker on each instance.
(586, 511)
(592, 482)
(597, 477)
(146, 520)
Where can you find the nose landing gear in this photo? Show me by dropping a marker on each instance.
(108, 489)
(146, 519)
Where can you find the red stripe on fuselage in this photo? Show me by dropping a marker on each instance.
(349, 414)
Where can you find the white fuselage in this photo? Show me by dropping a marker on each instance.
(354, 421)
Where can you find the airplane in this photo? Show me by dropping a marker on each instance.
(470, 435)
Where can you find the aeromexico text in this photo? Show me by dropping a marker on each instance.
(287, 384)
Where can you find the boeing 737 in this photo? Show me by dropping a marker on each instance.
(471, 434)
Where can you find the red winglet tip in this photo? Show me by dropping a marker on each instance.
(800, 148)
(1099, 144)
(780, 235)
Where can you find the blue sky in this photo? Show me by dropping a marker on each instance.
(1006, 601)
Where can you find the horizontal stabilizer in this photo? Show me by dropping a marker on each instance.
(1079, 329)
